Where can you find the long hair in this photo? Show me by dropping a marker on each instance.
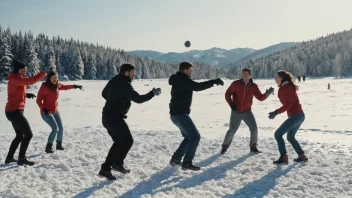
(287, 77)
(48, 82)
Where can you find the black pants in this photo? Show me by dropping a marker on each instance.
(121, 135)
(23, 132)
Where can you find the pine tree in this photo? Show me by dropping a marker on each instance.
(5, 55)
(111, 70)
(77, 67)
(90, 70)
(338, 65)
(30, 56)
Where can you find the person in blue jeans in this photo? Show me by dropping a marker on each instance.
(47, 101)
(180, 108)
(290, 103)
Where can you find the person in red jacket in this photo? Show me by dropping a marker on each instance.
(16, 100)
(47, 102)
(240, 98)
(290, 103)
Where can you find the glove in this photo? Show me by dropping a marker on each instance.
(269, 91)
(233, 106)
(45, 111)
(124, 117)
(218, 81)
(156, 91)
(77, 86)
(30, 95)
(272, 115)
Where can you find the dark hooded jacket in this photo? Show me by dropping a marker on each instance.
(182, 92)
(119, 93)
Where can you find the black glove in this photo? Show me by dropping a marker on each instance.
(156, 91)
(269, 91)
(77, 86)
(45, 111)
(233, 106)
(30, 95)
(272, 115)
(218, 81)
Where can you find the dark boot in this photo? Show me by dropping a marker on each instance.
(24, 161)
(120, 168)
(59, 146)
(301, 158)
(107, 174)
(10, 159)
(223, 150)
(174, 162)
(254, 149)
(49, 148)
(190, 167)
(282, 160)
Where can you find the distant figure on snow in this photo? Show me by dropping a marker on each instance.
(290, 103)
(304, 78)
(299, 78)
(239, 96)
(180, 108)
(118, 94)
(47, 101)
(16, 100)
(328, 85)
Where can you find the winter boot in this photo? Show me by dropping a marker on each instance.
(190, 167)
(24, 161)
(49, 148)
(107, 174)
(254, 149)
(174, 162)
(223, 150)
(120, 168)
(301, 158)
(10, 159)
(282, 160)
(59, 146)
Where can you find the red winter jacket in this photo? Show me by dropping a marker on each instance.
(47, 97)
(242, 95)
(289, 100)
(16, 90)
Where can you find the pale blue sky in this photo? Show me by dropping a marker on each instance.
(164, 25)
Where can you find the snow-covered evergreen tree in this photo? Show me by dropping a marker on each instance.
(30, 56)
(5, 55)
(90, 70)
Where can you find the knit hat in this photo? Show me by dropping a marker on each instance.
(17, 65)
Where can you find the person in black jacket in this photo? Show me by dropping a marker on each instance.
(118, 94)
(180, 108)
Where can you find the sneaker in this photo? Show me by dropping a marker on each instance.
(255, 150)
(190, 167)
(301, 158)
(174, 162)
(282, 160)
(106, 174)
(24, 161)
(10, 160)
(120, 168)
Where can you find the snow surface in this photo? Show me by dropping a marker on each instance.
(325, 136)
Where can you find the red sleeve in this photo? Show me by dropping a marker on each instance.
(229, 92)
(65, 87)
(18, 81)
(258, 94)
(286, 97)
(40, 97)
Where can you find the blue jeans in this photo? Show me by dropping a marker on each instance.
(290, 126)
(188, 146)
(54, 121)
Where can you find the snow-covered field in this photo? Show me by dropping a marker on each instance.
(325, 136)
